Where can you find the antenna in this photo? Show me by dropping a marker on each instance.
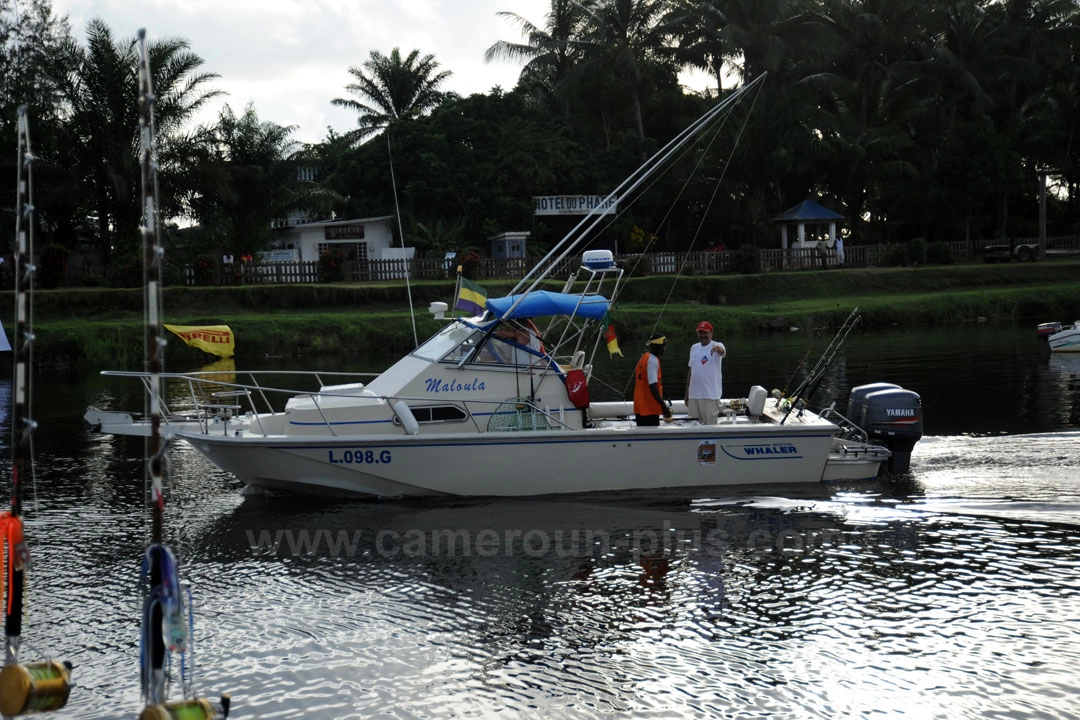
(401, 235)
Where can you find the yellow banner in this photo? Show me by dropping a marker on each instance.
(214, 339)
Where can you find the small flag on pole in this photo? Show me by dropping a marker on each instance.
(609, 336)
(213, 339)
(471, 297)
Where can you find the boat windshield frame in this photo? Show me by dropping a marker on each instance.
(463, 342)
(455, 343)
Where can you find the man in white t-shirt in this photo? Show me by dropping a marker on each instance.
(704, 381)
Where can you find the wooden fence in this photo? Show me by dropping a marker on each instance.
(660, 263)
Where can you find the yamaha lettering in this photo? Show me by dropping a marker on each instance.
(900, 412)
(359, 457)
(437, 385)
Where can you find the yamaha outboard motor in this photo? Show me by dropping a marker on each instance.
(894, 417)
(858, 395)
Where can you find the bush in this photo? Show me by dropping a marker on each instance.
(939, 253)
(53, 263)
(897, 256)
(917, 251)
(470, 264)
(332, 265)
(127, 274)
(206, 270)
(747, 260)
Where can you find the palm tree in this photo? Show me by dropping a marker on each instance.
(391, 88)
(101, 103)
(248, 180)
(550, 54)
(697, 27)
(626, 40)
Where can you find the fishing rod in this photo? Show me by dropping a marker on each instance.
(806, 388)
(42, 686)
(784, 392)
(166, 615)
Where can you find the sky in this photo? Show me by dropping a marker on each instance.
(291, 57)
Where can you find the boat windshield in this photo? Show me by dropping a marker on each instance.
(455, 342)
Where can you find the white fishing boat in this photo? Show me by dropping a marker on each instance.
(497, 404)
(475, 410)
(1061, 338)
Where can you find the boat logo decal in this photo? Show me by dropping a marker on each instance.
(900, 412)
(706, 452)
(438, 385)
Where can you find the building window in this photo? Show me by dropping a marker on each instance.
(355, 252)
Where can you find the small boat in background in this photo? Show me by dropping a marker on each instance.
(1060, 338)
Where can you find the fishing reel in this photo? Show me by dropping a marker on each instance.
(191, 709)
(34, 687)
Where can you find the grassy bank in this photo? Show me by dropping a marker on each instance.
(99, 328)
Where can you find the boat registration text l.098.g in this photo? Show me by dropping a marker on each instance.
(359, 457)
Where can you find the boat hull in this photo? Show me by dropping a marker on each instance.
(617, 457)
(1066, 341)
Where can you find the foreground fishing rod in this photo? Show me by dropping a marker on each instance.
(42, 686)
(806, 388)
(167, 621)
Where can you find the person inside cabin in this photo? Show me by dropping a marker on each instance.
(649, 402)
(704, 381)
(522, 333)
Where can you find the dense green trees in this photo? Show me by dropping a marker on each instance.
(913, 119)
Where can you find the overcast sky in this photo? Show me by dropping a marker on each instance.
(291, 57)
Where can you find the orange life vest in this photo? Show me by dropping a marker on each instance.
(644, 402)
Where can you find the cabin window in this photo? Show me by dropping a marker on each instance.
(437, 414)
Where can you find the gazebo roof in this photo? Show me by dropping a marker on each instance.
(807, 211)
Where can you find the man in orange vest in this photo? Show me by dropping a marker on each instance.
(648, 386)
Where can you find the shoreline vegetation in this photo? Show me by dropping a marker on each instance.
(96, 329)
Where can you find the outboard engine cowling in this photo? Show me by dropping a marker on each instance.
(894, 417)
(858, 395)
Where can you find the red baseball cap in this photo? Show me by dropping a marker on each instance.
(704, 325)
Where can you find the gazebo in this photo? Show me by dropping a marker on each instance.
(806, 213)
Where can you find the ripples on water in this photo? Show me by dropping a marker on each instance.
(952, 593)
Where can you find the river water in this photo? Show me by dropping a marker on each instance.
(953, 592)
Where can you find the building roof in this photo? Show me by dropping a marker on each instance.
(332, 223)
(807, 211)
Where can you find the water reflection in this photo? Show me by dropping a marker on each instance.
(945, 593)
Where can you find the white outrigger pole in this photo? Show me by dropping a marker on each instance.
(166, 612)
(41, 686)
(532, 279)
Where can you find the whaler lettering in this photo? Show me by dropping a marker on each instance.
(770, 450)
(438, 385)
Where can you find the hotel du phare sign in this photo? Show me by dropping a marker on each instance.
(574, 204)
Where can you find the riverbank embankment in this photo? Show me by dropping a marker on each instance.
(103, 328)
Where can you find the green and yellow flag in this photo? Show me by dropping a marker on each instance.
(471, 297)
(214, 339)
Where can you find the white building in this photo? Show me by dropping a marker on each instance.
(362, 239)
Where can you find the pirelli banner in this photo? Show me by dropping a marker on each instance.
(574, 204)
(213, 339)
